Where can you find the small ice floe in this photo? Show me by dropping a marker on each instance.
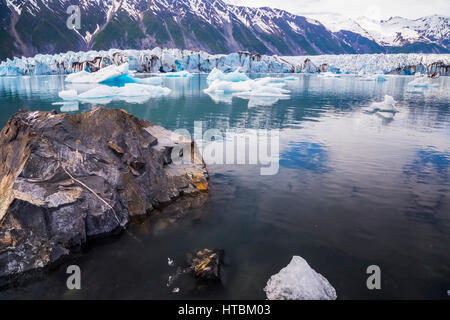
(373, 77)
(68, 106)
(387, 105)
(170, 262)
(235, 76)
(176, 290)
(422, 82)
(68, 94)
(102, 75)
(156, 81)
(329, 75)
(298, 281)
(179, 74)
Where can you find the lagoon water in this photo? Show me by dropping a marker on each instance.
(353, 189)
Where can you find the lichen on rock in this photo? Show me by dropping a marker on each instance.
(66, 178)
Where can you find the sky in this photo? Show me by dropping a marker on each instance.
(375, 9)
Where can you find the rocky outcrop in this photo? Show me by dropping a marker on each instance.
(66, 178)
(206, 263)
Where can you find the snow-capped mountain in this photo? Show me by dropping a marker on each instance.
(28, 27)
(396, 34)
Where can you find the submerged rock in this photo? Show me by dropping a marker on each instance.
(298, 281)
(206, 263)
(66, 178)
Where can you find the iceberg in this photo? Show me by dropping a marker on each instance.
(387, 105)
(180, 74)
(259, 92)
(130, 92)
(234, 76)
(422, 82)
(68, 94)
(329, 75)
(298, 281)
(156, 81)
(103, 75)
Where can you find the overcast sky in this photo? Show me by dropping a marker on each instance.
(376, 9)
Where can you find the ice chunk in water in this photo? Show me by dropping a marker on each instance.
(422, 82)
(130, 92)
(102, 75)
(387, 105)
(179, 74)
(68, 94)
(234, 76)
(298, 281)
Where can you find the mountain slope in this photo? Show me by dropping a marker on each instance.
(28, 27)
(428, 34)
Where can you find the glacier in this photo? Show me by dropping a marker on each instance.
(298, 281)
(180, 63)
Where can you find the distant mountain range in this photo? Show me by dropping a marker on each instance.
(28, 27)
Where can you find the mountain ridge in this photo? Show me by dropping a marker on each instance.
(29, 27)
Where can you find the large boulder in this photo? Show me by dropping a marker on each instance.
(66, 178)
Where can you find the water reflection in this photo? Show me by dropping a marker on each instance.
(353, 189)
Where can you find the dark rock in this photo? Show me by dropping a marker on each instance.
(206, 263)
(66, 178)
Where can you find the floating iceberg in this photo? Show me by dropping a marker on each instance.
(298, 281)
(387, 105)
(374, 77)
(156, 81)
(68, 94)
(422, 82)
(234, 76)
(106, 74)
(68, 106)
(130, 92)
(180, 74)
(329, 75)
(253, 90)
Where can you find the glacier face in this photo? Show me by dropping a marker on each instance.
(166, 61)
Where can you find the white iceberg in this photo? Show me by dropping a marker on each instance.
(298, 281)
(374, 77)
(156, 81)
(130, 92)
(68, 94)
(179, 74)
(329, 75)
(102, 75)
(422, 82)
(253, 90)
(234, 76)
(387, 105)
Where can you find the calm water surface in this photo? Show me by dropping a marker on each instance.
(353, 190)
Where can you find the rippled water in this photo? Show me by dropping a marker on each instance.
(353, 190)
